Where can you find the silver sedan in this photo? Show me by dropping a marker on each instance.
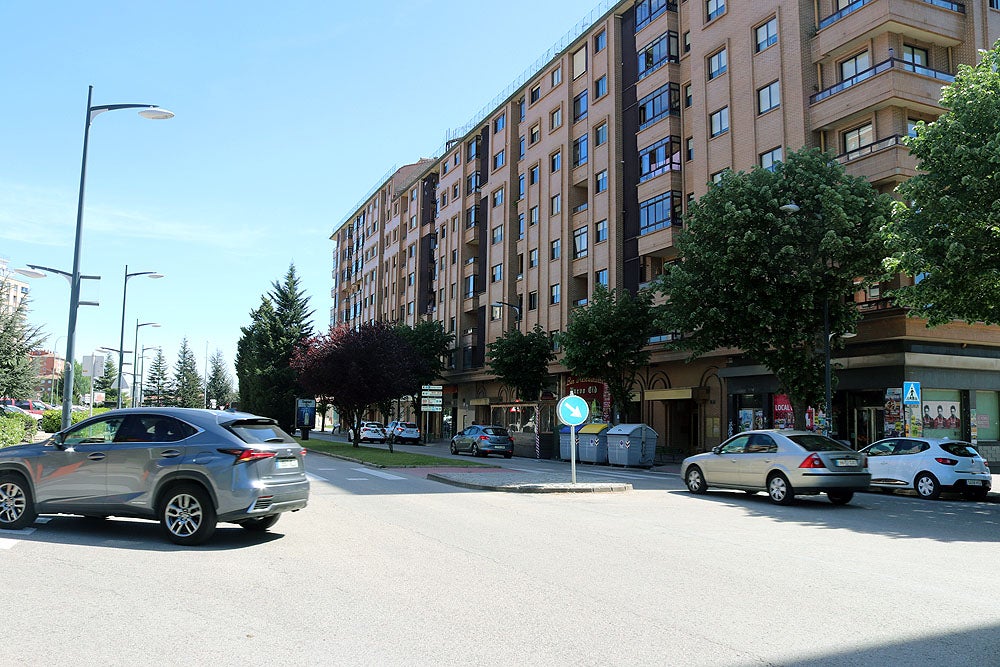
(782, 463)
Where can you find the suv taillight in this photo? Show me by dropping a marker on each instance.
(245, 455)
(812, 461)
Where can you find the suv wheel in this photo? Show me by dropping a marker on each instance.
(187, 515)
(17, 508)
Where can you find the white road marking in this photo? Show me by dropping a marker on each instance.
(357, 479)
(315, 478)
(378, 473)
(7, 543)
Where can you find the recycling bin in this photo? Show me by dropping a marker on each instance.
(564, 444)
(593, 443)
(631, 445)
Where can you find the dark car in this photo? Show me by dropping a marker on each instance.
(483, 440)
(187, 468)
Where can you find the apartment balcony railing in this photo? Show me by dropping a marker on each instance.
(868, 149)
(858, 4)
(884, 66)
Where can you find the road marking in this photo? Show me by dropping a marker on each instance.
(378, 473)
(315, 478)
(8, 542)
(357, 479)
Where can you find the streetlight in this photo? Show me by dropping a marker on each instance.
(514, 306)
(121, 337)
(135, 356)
(150, 111)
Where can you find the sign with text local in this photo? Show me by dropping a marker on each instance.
(573, 410)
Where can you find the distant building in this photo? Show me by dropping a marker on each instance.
(49, 367)
(16, 289)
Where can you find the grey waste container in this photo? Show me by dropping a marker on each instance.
(631, 445)
(564, 450)
(593, 443)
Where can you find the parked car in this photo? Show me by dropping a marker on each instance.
(187, 468)
(13, 409)
(403, 432)
(372, 432)
(782, 463)
(928, 466)
(482, 440)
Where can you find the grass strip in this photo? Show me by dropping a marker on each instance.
(379, 455)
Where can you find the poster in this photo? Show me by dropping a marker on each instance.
(746, 419)
(894, 412)
(941, 418)
(784, 416)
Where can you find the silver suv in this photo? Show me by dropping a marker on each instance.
(186, 468)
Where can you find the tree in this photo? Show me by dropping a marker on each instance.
(356, 369)
(607, 339)
(430, 343)
(159, 390)
(521, 361)
(106, 382)
(187, 382)
(81, 383)
(758, 278)
(267, 384)
(945, 228)
(219, 385)
(17, 338)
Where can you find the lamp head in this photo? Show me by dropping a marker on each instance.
(31, 273)
(156, 113)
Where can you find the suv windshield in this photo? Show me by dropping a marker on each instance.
(818, 443)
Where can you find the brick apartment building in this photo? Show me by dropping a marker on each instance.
(581, 175)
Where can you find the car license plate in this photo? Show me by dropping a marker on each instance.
(846, 462)
(973, 482)
(282, 464)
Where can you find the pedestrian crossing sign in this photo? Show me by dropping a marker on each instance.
(911, 393)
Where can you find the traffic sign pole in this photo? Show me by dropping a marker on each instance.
(572, 411)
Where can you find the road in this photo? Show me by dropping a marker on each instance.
(387, 568)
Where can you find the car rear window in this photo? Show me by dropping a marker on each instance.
(259, 432)
(959, 449)
(492, 430)
(407, 424)
(818, 443)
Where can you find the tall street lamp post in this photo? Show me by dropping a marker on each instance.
(135, 356)
(151, 111)
(121, 338)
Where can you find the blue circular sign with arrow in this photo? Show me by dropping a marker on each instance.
(573, 410)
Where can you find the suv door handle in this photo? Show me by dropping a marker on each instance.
(96, 456)
(170, 453)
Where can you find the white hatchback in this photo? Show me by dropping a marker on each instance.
(928, 466)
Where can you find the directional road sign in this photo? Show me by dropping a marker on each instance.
(431, 388)
(431, 400)
(430, 408)
(573, 410)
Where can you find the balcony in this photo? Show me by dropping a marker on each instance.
(883, 162)
(935, 21)
(659, 241)
(892, 82)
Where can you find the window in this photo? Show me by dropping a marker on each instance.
(533, 175)
(556, 76)
(767, 34)
(497, 197)
(659, 104)
(497, 235)
(915, 56)
(520, 225)
(858, 137)
(769, 159)
(472, 183)
(555, 119)
(686, 39)
(715, 8)
(472, 150)
(689, 149)
(659, 212)
(410, 277)
(471, 216)
(555, 250)
(659, 158)
(532, 300)
(658, 53)
(769, 97)
(496, 273)
(533, 258)
(911, 126)
(580, 62)
(687, 95)
(555, 161)
(854, 66)
(520, 109)
(444, 199)
(647, 10)
(601, 231)
(580, 150)
(580, 243)
(601, 277)
(454, 256)
(535, 134)
(533, 215)
(601, 86)
(454, 191)
(535, 94)
(601, 134)
(469, 286)
(555, 295)
(520, 148)
(580, 106)
(556, 204)
(716, 178)
(717, 64)
(520, 187)
(601, 181)
(600, 41)
(719, 121)
(499, 123)
(498, 160)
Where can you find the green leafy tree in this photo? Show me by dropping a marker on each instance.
(521, 361)
(430, 343)
(219, 384)
(187, 381)
(607, 339)
(946, 226)
(760, 278)
(18, 376)
(106, 382)
(267, 384)
(158, 390)
(81, 383)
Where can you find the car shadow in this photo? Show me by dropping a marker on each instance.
(877, 514)
(136, 534)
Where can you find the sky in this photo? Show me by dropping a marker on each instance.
(287, 114)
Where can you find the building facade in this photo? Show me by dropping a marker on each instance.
(582, 174)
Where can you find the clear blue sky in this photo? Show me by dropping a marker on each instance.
(286, 115)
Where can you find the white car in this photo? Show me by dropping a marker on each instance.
(372, 432)
(404, 432)
(928, 466)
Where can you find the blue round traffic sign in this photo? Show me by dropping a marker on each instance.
(573, 410)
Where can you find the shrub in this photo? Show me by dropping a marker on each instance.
(15, 429)
(52, 419)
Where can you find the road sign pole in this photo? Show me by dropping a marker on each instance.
(572, 453)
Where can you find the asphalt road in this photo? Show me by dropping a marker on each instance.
(387, 568)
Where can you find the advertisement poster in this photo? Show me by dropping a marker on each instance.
(974, 424)
(941, 419)
(746, 419)
(894, 412)
(784, 417)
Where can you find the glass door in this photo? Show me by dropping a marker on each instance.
(869, 426)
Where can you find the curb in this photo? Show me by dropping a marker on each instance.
(596, 487)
